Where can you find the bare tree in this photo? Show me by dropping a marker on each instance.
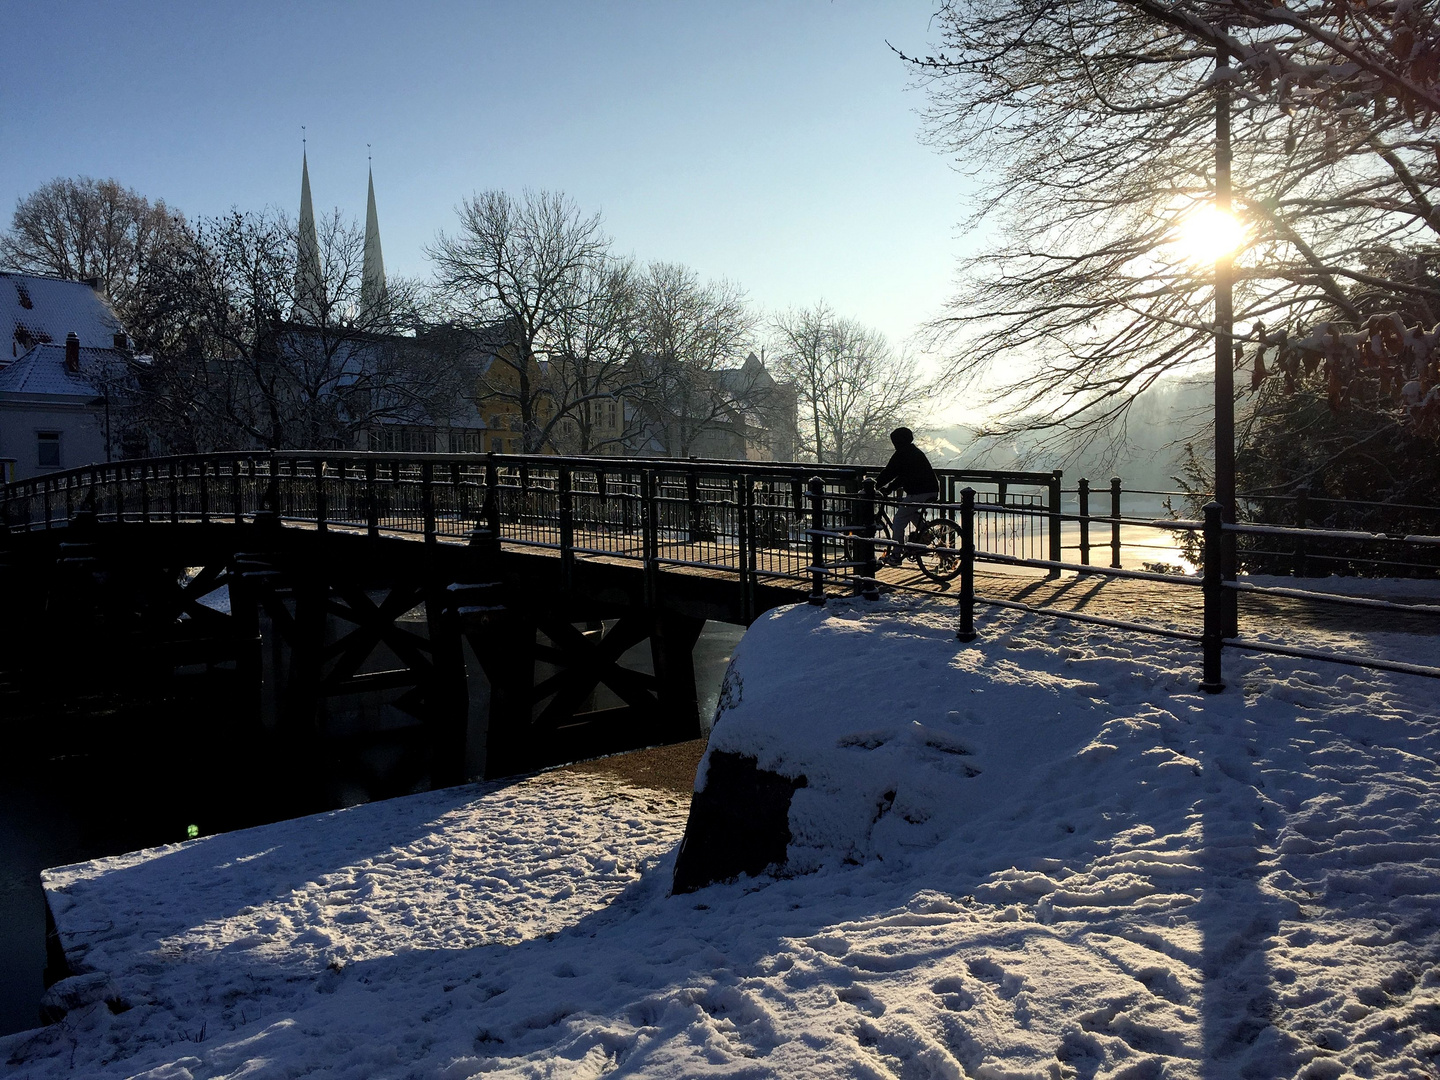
(692, 341)
(851, 387)
(518, 268)
(236, 362)
(1090, 125)
(81, 228)
(592, 370)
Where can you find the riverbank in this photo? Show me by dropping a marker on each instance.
(1078, 865)
(82, 777)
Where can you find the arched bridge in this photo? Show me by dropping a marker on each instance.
(492, 598)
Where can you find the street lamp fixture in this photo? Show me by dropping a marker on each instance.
(1207, 234)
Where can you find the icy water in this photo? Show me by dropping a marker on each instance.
(102, 777)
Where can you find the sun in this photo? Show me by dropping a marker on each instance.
(1207, 234)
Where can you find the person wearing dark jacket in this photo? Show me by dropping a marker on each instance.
(910, 474)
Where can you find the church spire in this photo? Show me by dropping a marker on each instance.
(372, 278)
(309, 278)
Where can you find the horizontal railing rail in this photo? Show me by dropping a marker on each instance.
(1101, 509)
(1215, 613)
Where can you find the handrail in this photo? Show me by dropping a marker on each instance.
(688, 464)
(810, 524)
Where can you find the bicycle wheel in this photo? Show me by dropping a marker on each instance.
(939, 558)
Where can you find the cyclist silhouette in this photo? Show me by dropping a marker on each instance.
(910, 475)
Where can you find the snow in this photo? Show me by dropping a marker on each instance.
(1401, 589)
(1041, 854)
(48, 308)
(42, 370)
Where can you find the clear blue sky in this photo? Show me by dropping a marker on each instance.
(776, 144)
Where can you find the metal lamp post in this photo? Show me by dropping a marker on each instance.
(1224, 341)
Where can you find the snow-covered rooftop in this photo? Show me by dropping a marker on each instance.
(39, 309)
(42, 370)
(1044, 855)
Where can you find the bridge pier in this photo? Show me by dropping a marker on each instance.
(545, 673)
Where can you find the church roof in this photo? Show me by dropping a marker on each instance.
(372, 278)
(35, 309)
(309, 275)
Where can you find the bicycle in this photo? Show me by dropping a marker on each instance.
(934, 544)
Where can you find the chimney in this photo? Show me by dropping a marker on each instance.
(72, 352)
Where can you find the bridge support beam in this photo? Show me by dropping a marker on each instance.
(347, 648)
(546, 673)
(672, 648)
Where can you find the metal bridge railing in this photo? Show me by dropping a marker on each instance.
(1215, 610)
(749, 520)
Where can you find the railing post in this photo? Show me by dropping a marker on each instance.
(865, 520)
(749, 545)
(145, 494)
(1302, 518)
(492, 497)
(372, 500)
(272, 489)
(627, 507)
(204, 492)
(1115, 522)
(1082, 494)
(321, 515)
(1053, 496)
(524, 504)
(120, 472)
(342, 482)
(1213, 588)
(457, 493)
(692, 500)
(237, 504)
(567, 526)
(966, 630)
(650, 541)
(427, 499)
(817, 542)
(175, 492)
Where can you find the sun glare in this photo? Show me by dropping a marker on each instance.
(1206, 234)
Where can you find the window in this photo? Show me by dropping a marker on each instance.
(497, 446)
(395, 439)
(47, 449)
(465, 441)
(603, 415)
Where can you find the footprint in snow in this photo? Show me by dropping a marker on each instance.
(862, 999)
(952, 993)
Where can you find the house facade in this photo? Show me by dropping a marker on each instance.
(740, 414)
(65, 346)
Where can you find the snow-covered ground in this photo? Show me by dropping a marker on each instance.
(1043, 854)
